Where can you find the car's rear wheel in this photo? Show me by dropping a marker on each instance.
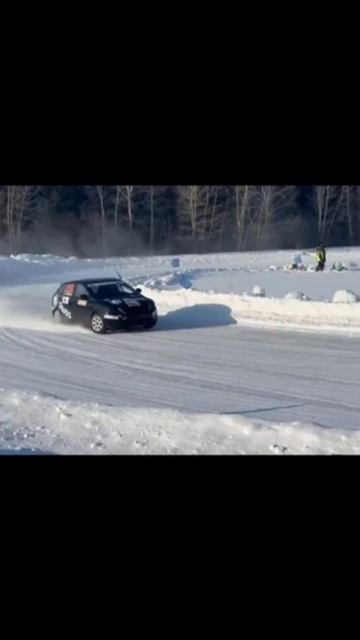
(97, 323)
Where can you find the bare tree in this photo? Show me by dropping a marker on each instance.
(206, 212)
(329, 202)
(244, 197)
(161, 203)
(116, 206)
(351, 211)
(10, 202)
(357, 211)
(100, 192)
(322, 200)
(189, 211)
(127, 191)
(200, 213)
(213, 212)
(347, 193)
(16, 204)
(151, 218)
(347, 211)
(270, 204)
(108, 199)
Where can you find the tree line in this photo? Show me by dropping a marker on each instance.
(103, 220)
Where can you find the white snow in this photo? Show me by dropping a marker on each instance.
(49, 425)
(296, 295)
(219, 359)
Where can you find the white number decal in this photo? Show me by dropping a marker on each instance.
(131, 303)
(65, 299)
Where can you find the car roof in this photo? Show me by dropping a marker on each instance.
(93, 281)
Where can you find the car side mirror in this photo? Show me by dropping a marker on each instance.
(84, 297)
(138, 290)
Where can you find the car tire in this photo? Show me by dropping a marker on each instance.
(149, 324)
(97, 323)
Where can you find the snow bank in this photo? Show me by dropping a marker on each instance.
(286, 313)
(345, 296)
(296, 295)
(40, 423)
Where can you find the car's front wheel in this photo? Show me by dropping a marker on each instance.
(149, 324)
(97, 323)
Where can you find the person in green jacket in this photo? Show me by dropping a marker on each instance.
(320, 257)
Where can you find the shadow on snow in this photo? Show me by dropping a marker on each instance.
(244, 413)
(196, 317)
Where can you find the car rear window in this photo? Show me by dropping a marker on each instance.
(69, 289)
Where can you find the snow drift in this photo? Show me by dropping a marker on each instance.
(345, 296)
(32, 422)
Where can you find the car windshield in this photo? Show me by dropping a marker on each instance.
(108, 290)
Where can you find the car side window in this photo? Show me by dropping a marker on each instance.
(80, 291)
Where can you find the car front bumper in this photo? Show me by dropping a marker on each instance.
(118, 321)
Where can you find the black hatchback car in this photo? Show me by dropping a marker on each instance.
(103, 304)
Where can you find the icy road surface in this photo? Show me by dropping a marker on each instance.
(272, 375)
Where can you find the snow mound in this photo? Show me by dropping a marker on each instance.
(296, 295)
(339, 266)
(258, 291)
(345, 296)
(170, 280)
(297, 259)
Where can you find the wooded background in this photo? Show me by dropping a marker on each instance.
(104, 220)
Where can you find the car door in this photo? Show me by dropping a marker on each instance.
(80, 306)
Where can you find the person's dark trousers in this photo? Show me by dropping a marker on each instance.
(320, 266)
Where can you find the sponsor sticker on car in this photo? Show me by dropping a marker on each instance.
(64, 311)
